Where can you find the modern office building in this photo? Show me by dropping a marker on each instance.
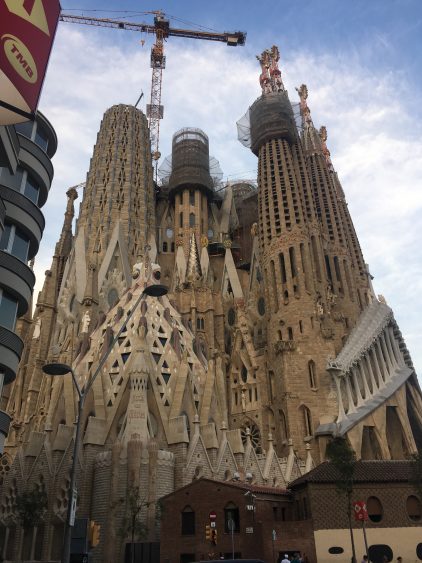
(26, 174)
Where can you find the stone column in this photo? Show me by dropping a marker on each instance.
(351, 407)
(371, 374)
(381, 382)
(368, 393)
(357, 387)
(388, 361)
(384, 367)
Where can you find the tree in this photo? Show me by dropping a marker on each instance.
(132, 523)
(341, 455)
(30, 508)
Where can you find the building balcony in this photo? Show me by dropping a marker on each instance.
(10, 353)
(17, 279)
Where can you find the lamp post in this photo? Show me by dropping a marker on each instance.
(155, 290)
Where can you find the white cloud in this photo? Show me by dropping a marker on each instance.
(371, 139)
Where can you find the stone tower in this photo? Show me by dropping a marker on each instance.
(269, 342)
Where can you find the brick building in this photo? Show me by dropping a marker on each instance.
(256, 511)
(394, 527)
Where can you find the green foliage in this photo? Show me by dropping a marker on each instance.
(341, 455)
(31, 507)
(131, 524)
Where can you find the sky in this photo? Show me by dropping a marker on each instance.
(361, 61)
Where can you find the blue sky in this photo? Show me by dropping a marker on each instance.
(361, 62)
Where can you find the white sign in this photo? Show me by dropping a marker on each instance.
(274, 535)
(73, 507)
(213, 524)
(249, 530)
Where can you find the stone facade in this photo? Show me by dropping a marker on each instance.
(269, 341)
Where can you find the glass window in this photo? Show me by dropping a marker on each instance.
(1, 382)
(5, 237)
(188, 522)
(191, 219)
(13, 181)
(41, 138)
(15, 242)
(25, 128)
(231, 518)
(31, 189)
(20, 245)
(8, 310)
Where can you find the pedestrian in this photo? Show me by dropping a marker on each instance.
(365, 559)
(286, 559)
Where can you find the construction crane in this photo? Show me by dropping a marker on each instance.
(161, 29)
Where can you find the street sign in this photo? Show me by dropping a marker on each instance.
(213, 524)
(249, 530)
(274, 535)
(213, 515)
(360, 510)
(73, 507)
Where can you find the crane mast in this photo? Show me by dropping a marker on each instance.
(161, 29)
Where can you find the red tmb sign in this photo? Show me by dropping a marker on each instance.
(360, 510)
(213, 516)
(27, 32)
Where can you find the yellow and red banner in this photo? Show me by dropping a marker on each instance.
(27, 29)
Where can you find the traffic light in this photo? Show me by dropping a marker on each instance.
(94, 533)
(214, 536)
(207, 532)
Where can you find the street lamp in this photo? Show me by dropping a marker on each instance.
(154, 290)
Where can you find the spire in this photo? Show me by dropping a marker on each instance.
(65, 241)
(305, 112)
(325, 151)
(310, 137)
(270, 77)
(193, 269)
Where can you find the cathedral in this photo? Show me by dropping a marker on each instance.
(269, 342)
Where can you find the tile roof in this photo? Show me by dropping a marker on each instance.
(374, 471)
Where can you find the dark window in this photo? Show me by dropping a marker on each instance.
(191, 197)
(374, 507)
(31, 189)
(413, 507)
(335, 550)
(25, 128)
(311, 373)
(41, 138)
(231, 317)
(181, 219)
(112, 297)
(8, 310)
(164, 247)
(15, 241)
(419, 551)
(188, 522)
(191, 219)
(380, 553)
(231, 518)
(244, 374)
(261, 306)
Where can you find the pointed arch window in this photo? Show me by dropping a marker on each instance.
(312, 374)
(307, 421)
